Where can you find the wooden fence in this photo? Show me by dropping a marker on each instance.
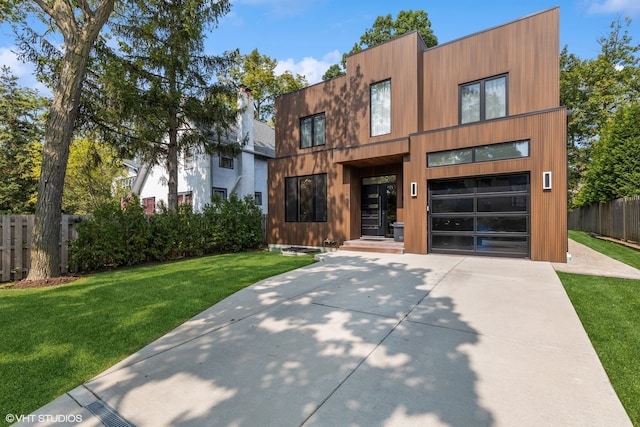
(619, 219)
(15, 244)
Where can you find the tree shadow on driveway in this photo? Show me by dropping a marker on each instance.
(328, 344)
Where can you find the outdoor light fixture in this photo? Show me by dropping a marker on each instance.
(414, 189)
(546, 180)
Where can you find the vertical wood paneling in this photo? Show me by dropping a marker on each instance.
(425, 104)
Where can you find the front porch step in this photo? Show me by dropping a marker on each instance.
(387, 246)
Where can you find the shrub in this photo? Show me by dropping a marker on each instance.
(113, 236)
(110, 238)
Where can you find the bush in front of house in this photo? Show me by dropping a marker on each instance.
(117, 236)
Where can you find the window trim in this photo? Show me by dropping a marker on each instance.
(223, 165)
(483, 99)
(312, 118)
(371, 108)
(219, 190)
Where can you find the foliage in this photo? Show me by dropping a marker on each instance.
(92, 169)
(22, 122)
(50, 342)
(157, 96)
(114, 237)
(614, 169)
(257, 73)
(386, 28)
(111, 237)
(235, 223)
(594, 90)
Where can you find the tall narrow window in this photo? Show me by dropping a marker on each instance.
(483, 100)
(312, 131)
(381, 108)
(306, 198)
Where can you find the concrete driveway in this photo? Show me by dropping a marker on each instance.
(367, 340)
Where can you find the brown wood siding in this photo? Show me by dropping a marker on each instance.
(527, 50)
(547, 134)
(424, 85)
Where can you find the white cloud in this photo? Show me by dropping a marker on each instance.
(310, 67)
(615, 6)
(24, 71)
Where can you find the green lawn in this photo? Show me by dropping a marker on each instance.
(609, 309)
(53, 339)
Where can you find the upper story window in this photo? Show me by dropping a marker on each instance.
(381, 108)
(483, 99)
(188, 159)
(312, 131)
(226, 162)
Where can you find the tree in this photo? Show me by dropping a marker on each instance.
(79, 22)
(257, 73)
(614, 170)
(386, 28)
(594, 90)
(93, 168)
(159, 100)
(21, 134)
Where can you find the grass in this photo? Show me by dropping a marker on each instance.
(609, 309)
(54, 339)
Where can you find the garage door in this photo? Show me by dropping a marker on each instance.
(486, 215)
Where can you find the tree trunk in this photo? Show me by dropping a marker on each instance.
(78, 40)
(45, 248)
(172, 170)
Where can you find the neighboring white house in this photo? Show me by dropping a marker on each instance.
(201, 175)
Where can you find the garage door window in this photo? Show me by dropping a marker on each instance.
(482, 215)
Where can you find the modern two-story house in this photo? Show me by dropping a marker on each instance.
(464, 143)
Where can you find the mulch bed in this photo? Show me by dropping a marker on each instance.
(44, 283)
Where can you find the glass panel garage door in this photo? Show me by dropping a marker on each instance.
(481, 215)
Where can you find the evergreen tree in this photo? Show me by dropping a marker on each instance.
(21, 134)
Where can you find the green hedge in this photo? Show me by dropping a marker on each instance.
(115, 237)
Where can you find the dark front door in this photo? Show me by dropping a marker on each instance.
(374, 209)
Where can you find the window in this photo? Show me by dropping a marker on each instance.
(312, 131)
(483, 100)
(149, 204)
(226, 162)
(258, 198)
(184, 198)
(306, 198)
(188, 159)
(381, 108)
(484, 153)
(222, 192)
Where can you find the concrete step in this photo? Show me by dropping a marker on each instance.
(388, 246)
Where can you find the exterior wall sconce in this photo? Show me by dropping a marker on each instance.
(546, 180)
(414, 189)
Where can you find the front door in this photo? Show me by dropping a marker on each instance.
(374, 209)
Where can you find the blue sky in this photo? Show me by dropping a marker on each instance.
(306, 36)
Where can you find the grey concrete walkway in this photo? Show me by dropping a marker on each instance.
(369, 340)
(585, 260)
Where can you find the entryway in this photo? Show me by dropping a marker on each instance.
(378, 206)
